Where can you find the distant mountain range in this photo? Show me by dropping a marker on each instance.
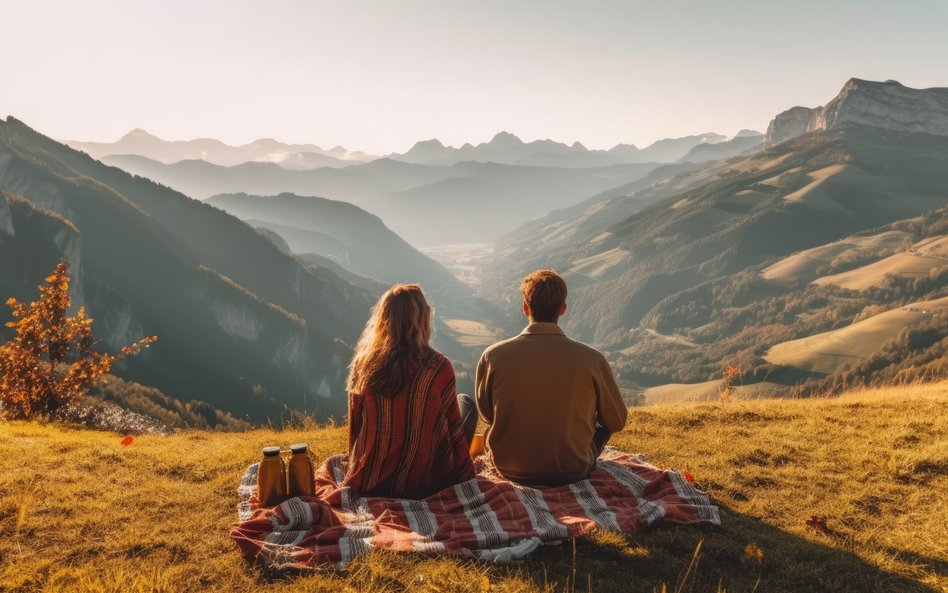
(426, 204)
(432, 194)
(264, 150)
(358, 184)
(506, 148)
(745, 142)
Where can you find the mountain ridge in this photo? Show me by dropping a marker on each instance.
(890, 105)
(507, 148)
(296, 156)
(242, 325)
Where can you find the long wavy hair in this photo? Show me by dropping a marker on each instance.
(394, 342)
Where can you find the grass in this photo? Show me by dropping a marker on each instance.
(80, 512)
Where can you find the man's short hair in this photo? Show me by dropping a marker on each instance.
(544, 291)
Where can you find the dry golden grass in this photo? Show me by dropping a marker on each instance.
(920, 260)
(828, 351)
(671, 393)
(80, 512)
(473, 334)
(804, 264)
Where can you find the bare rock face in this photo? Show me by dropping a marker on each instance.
(888, 104)
(791, 123)
(6, 218)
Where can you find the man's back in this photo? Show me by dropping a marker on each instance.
(543, 395)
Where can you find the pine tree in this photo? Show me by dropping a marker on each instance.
(51, 359)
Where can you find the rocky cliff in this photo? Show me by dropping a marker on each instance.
(889, 105)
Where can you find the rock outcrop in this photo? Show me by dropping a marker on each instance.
(888, 104)
(791, 123)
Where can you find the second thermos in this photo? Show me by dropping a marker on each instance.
(300, 480)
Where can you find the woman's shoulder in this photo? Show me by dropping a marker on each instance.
(439, 364)
(437, 360)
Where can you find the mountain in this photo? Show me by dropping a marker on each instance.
(486, 200)
(669, 278)
(671, 150)
(241, 324)
(32, 239)
(507, 149)
(359, 248)
(745, 142)
(888, 105)
(589, 218)
(359, 184)
(425, 204)
(267, 150)
(356, 240)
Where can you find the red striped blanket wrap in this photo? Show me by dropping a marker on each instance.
(486, 517)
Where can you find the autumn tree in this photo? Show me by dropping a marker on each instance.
(51, 360)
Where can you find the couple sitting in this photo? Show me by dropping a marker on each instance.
(550, 403)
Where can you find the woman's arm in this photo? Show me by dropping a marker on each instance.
(355, 418)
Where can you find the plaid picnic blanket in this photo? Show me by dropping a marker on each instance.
(486, 517)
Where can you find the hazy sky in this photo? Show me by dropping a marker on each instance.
(377, 76)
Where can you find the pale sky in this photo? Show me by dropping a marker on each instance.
(377, 76)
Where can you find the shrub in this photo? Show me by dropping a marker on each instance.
(51, 360)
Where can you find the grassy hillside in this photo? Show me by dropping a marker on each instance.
(829, 351)
(81, 512)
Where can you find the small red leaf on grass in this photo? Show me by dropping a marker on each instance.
(818, 523)
(689, 476)
(127, 441)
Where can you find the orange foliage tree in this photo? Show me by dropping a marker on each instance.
(51, 361)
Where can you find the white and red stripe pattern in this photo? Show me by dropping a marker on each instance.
(486, 517)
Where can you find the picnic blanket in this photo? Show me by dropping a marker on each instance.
(486, 517)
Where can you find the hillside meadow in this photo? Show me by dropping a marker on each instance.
(81, 512)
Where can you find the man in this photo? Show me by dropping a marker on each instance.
(551, 403)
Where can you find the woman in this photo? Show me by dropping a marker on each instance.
(406, 439)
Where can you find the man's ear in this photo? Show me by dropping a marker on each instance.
(563, 310)
(526, 309)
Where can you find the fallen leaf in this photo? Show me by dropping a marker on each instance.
(689, 476)
(818, 523)
(753, 551)
(127, 441)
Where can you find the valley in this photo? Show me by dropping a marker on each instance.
(804, 259)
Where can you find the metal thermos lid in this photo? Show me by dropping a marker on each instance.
(299, 448)
(271, 451)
